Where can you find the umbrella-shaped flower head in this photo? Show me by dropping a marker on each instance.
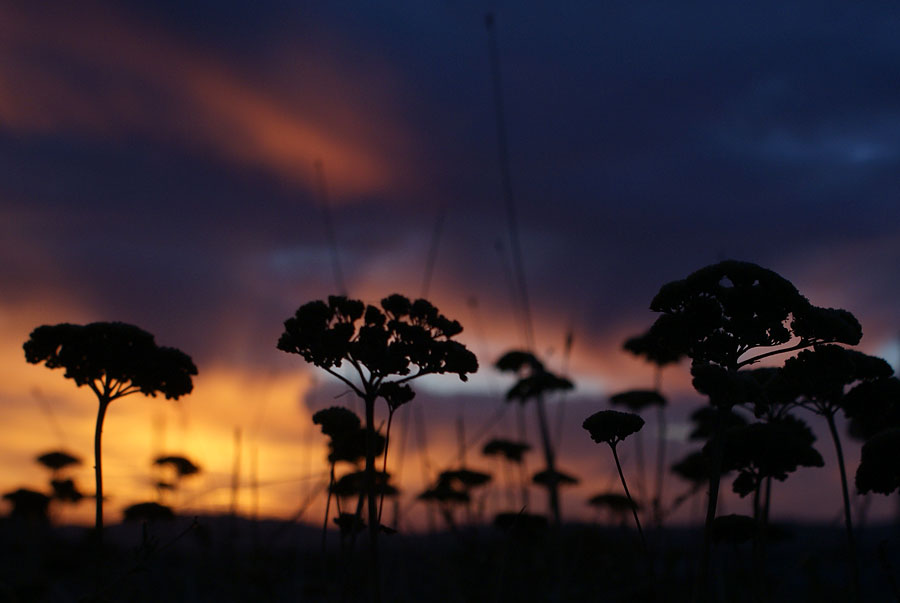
(182, 465)
(57, 460)
(612, 426)
(547, 478)
(513, 451)
(879, 467)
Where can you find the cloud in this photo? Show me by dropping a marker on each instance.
(100, 74)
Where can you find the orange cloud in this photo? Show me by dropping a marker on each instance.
(101, 74)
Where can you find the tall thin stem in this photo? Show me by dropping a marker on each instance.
(387, 441)
(631, 501)
(848, 521)
(374, 581)
(98, 473)
(660, 463)
(550, 457)
(327, 508)
(718, 450)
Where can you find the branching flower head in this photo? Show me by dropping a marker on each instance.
(718, 313)
(612, 426)
(512, 451)
(879, 467)
(114, 352)
(771, 449)
(386, 341)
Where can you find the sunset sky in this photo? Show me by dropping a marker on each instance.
(157, 167)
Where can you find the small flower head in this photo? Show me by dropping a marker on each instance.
(612, 426)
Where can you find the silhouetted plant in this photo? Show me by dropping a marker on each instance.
(57, 461)
(731, 315)
(879, 466)
(513, 452)
(705, 419)
(638, 400)
(114, 360)
(338, 423)
(447, 494)
(63, 489)
(819, 379)
(612, 427)
(872, 407)
(28, 505)
(648, 347)
(381, 347)
(771, 449)
(618, 505)
(534, 381)
(148, 511)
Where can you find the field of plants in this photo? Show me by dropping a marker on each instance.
(765, 358)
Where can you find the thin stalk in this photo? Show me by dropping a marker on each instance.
(98, 473)
(702, 591)
(660, 463)
(633, 506)
(848, 521)
(759, 588)
(553, 486)
(387, 441)
(374, 582)
(641, 466)
(327, 508)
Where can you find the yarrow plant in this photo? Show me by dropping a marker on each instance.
(383, 349)
(114, 360)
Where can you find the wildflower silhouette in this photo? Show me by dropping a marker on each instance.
(770, 449)
(147, 511)
(57, 461)
(618, 505)
(114, 360)
(726, 317)
(447, 493)
(340, 425)
(534, 382)
(872, 407)
(64, 489)
(28, 504)
(637, 401)
(512, 452)
(879, 467)
(382, 346)
(819, 379)
(648, 347)
(612, 427)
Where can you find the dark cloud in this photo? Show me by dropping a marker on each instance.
(646, 141)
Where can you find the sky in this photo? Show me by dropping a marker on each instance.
(158, 167)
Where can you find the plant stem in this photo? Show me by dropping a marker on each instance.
(633, 506)
(702, 592)
(374, 582)
(660, 463)
(98, 473)
(553, 485)
(848, 522)
(327, 509)
(387, 441)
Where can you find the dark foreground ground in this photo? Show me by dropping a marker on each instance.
(219, 559)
